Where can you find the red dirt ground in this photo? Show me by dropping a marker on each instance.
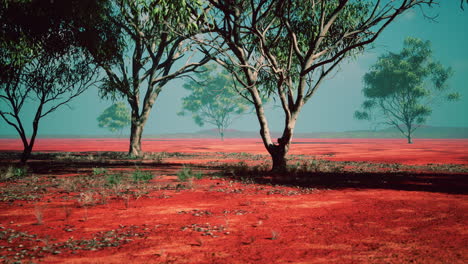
(225, 221)
(375, 150)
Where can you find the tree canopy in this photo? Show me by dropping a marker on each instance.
(146, 53)
(401, 87)
(213, 98)
(115, 118)
(284, 50)
(41, 63)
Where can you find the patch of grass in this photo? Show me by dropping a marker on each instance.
(315, 166)
(99, 171)
(141, 176)
(13, 172)
(187, 173)
(91, 198)
(114, 179)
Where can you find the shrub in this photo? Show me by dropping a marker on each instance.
(187, 173)
(114, 179)
(99, 171)
(13, 172)
(142, 176)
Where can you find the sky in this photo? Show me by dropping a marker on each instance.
(330, 109)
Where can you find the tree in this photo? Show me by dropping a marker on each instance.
(285, 49)
(146, 54)
(48, 80)
(401, 87)
(213, 99)
(39, 66)
(115, 118)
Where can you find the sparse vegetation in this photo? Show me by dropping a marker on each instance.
(99, 171)
(187, 173)
(121, 186)
(11, 172)
(142, 176)
(114, 179)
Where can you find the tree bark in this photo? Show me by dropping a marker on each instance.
(26, 154)
(135, 139)
(278, 151)
(138, 122)
(278, 156)
(28, 147)
(410, 140)
(408, 134)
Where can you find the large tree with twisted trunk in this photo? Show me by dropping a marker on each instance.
(286, 49)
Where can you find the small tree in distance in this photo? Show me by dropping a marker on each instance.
(401, 87)
(213, 99)
(115, 118)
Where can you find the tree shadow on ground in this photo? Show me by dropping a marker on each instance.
(450, 183)
(404, 180)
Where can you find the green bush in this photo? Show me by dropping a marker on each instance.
(114, 179)
(20, 171)
(142, 176)
(13, 172)
(186, 173)
(99, 171)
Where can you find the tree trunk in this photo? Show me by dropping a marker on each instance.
(28, 147)
(135, 139)
(408, 134)
(278, 156)
(410, 140)
(26, 154)
(221, 133)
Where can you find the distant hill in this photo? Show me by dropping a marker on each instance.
(422, 132)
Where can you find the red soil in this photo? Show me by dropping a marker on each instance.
(423, 151)
(220, 221)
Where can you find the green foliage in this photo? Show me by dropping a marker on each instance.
(99, 171)
(213, 98)
(187, 173)
(13, 172)
(141, 176)
(116, 117)
(153, 28)
(41, 63)
(114, 179)
(401, 87)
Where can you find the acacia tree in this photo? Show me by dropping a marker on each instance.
(401, 87)
(213, 98)
(285, 49)
(148, 55)
(47, 81)
(39, 66)
(115, 118)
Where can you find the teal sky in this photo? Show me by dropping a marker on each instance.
(331, 108)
